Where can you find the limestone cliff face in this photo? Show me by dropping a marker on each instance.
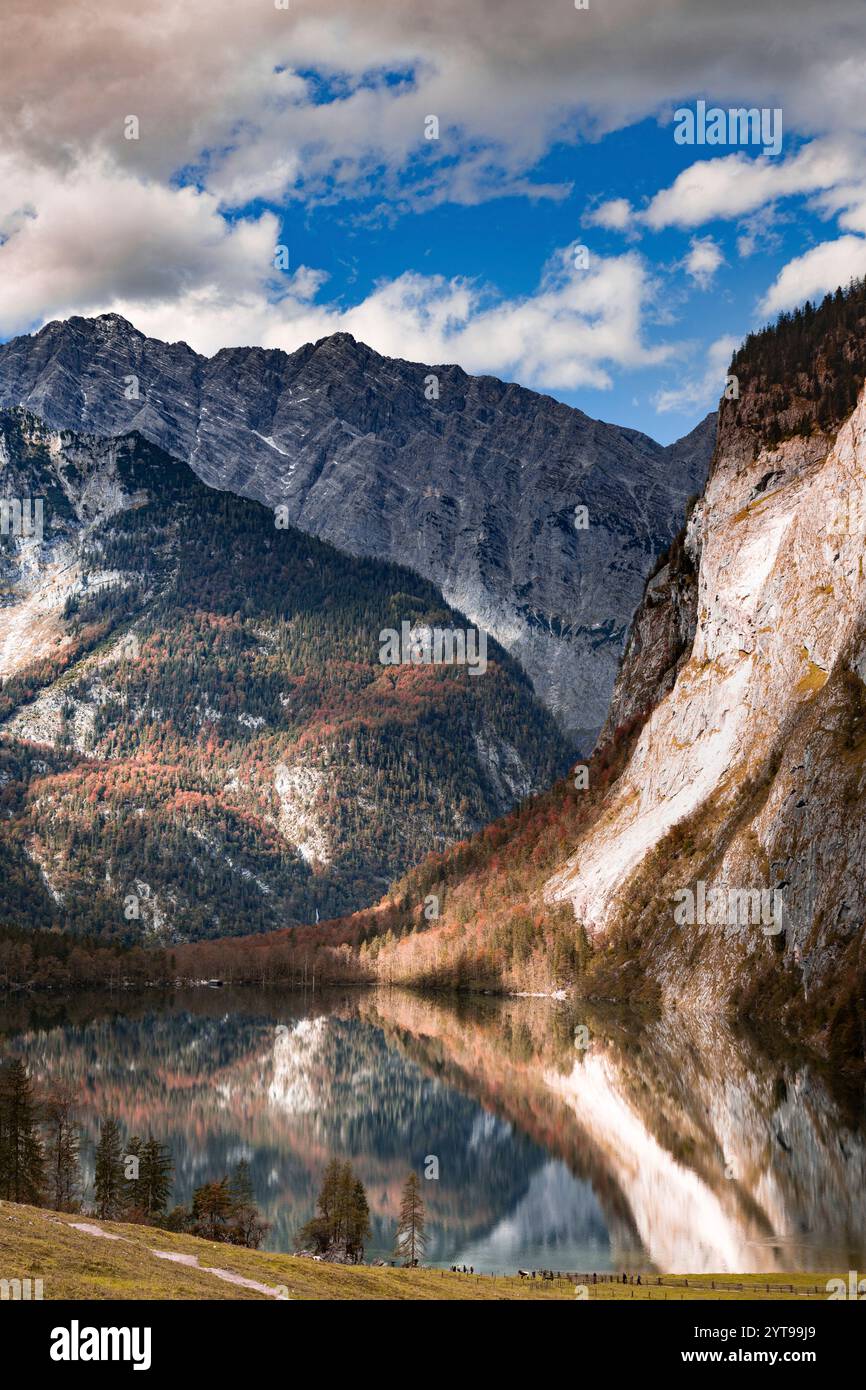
(470, 481)
(748, 775)
(79, 483)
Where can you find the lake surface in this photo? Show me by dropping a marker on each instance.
(563, 1140)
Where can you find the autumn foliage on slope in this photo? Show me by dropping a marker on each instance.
(471, 917)
(211, 659)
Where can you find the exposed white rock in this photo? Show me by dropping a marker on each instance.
(55, 713)
(153, 916)
(781, 603)
(298, 788)
(504, 766)
(38, 857)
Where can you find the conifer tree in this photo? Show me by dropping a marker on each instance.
(211, 1209)
(329, 1197)
(62, 1157)
(241, 1185)
(359, 1223)
(343, 1224)
(411, 1240)
(133, 1195)
(109, 1182)
(247, 1227)
(22, 1159)
(156, 1174)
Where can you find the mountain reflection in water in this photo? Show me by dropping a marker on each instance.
(671, 1146)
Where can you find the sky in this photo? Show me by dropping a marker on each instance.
(515, 187)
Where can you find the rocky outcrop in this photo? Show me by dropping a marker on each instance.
(470, 481)
(660, 638)
(749, 775)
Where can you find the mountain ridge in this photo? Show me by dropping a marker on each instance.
(470, 481)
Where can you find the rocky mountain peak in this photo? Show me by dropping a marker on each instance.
(340, 341)
(470, 481)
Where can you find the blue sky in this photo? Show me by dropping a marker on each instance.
(153, 167)
(505, 242)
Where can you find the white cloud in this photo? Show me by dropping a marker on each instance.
(736, 184)
(571, 332)
(739, 186)
(703, 260)
(617, 215)
(744, 187)
(95, 235)
(847, 203)
(760, 230)
(816, 273)
(265, 100)
(692, 391)
(195, 277)
(328, 100)
(95, 239)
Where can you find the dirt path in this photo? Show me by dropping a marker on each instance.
(92, 1230)
(280, 1292)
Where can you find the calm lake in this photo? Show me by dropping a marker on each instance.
(567, 1141)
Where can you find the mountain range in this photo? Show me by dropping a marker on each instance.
(708, 856)
(472, 482)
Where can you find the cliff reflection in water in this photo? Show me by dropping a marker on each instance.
(668, 1146)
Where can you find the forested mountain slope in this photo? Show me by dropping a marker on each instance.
(197, 736)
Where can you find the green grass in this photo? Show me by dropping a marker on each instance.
(39, 1244)
(718, 1287)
